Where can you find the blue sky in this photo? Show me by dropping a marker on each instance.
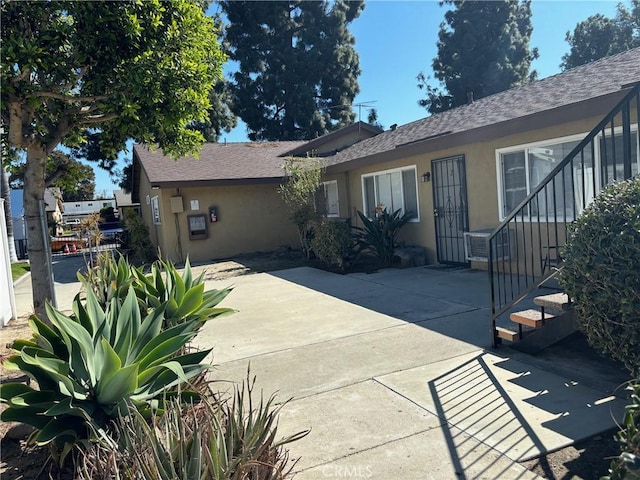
(396, 40)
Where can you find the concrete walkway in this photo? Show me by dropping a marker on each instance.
(393, 374)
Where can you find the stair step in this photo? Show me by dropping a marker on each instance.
(558, 301)
(530, 318)
(509, 335)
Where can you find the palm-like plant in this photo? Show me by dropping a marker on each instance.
(379, 235)
(123, 347)
(217, 439)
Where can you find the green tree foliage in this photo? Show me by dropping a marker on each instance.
(122, 70)
(304, 178)
(76, 180)
(221, 118)
(483, 48)
(297, 67)
(599, 36)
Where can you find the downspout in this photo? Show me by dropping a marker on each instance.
(178, 240)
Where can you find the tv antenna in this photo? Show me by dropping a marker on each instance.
(363, 104)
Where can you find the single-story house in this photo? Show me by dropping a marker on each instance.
(124, 203)
(54, 210)
(226, 201)
(459, 171)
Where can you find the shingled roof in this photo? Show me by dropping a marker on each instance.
(217, 163)
(596, 79)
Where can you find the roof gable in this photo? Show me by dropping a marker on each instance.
(337, 140)
(216, 162)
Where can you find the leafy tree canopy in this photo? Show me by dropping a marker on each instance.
(297, 67)
(76, 180)
(139, 70)
(483, 48)
(599, 36)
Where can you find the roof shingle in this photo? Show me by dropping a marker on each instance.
(217, 161)
(588, 81)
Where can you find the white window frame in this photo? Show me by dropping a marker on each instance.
(155, 210)
(326, 198)
(416, 219)
(525, 147)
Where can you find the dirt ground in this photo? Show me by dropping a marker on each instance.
(588, 460)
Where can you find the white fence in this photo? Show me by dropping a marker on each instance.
(7, 296)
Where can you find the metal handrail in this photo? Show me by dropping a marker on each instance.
(522, 229)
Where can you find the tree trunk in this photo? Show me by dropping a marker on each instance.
(6, 195)
(41, 284)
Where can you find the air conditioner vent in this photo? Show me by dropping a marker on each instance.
(476, 245)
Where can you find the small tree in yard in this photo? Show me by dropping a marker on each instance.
(111, 71)
(299, 194)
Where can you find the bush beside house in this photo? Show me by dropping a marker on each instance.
(601, 275)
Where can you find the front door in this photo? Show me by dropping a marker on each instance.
(450, 209)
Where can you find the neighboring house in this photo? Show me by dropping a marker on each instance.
(460, 171)
(124, 203)
(53, 209)
(74, 212)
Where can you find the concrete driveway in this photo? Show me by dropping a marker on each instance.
(393, 375)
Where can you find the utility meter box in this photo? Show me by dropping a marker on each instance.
(176, 205)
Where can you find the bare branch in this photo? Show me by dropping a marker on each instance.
(52, 177)
(105, 117)
(62, 129)
(68, 98)
(24, 74)
(15, 123)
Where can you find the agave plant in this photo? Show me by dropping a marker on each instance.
(96, 365)
(379, 235)
(215, 439)
(109, 278)
(183, 295)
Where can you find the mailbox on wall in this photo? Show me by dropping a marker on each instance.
(197, 227)
(213, 214)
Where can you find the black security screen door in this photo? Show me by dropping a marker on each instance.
(450, 208)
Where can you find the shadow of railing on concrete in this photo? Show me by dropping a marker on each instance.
(472, 402)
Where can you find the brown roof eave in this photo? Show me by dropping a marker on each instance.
(218, 182)
(588, 108)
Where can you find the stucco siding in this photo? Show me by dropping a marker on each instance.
(249, 218)
(482, 181)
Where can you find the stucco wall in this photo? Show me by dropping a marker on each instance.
(482, 185)
(250, 218)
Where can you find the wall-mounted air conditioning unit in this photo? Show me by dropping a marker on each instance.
(476, 245)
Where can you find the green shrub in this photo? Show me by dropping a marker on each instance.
(182, 295)
(379, 235)
(627, 465)
(136, 238)
(333, 243)
(232, 439)
(601, 272)
(115, 352)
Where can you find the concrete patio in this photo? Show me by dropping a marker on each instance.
(393, 374)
